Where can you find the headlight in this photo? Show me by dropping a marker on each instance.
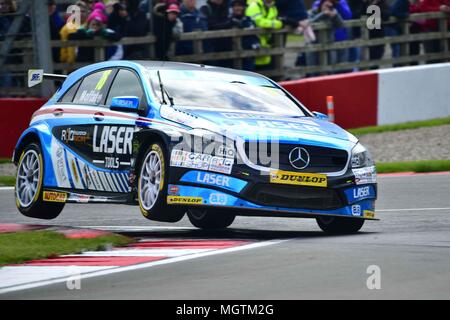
(361, 157)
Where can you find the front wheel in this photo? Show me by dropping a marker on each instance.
(152, 193)
(337, 225)
(208, 219)
(28, 189)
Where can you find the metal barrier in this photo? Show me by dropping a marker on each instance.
(279, 50)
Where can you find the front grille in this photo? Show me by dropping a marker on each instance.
(322, 159)
(294, 197)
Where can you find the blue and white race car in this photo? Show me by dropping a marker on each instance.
(178, 139)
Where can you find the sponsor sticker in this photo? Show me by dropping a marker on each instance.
(76, 177)
(296, 178)
(214, 179)
(113, 140)
(369, 214)
(365, 175)
(80, 198)
(360, 193)
(184, 200)
(73, 135)
(218, 199)
(356, 210)
(51, 196)
(35, 77)
(174, 190)
(200, 161)
(222, 165)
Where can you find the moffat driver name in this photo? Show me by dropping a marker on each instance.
(295, 178)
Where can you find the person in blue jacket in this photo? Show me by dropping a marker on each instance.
(192, 21)
(335, 11)
(343, 9)
(400, 10)
(293, 9)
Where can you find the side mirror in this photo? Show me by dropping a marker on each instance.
(321, 116)
(126, 104)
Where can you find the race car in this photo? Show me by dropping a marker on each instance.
(175, 139)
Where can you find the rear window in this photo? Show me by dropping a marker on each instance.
(94, 88)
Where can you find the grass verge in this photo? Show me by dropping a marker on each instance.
(414, 166)
(7, 181)
(5, 160)
(401, 126)
(19, 247)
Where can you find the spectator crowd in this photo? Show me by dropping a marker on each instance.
(168, 19)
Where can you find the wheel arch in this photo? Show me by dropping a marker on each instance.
(42, 136)
(25, 139)
(144, 139)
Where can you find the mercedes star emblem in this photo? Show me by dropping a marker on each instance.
(299, 158)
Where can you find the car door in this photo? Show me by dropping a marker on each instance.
(77, 164)
(113, 136)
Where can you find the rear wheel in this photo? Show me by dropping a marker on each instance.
(210, 219)
(151, 187)
(337, 225)
(28, 189)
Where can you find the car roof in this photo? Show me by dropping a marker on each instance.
(161, 65)
(169, 65)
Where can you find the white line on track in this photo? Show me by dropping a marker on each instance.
(143, 265)
(411, 209)
(6, 188)
(136, 228)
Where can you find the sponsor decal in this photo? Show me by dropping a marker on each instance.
(184, 200)
(365, 175)
(35, 77)
(280, 125)
(227, 152)
(356, 210)
(72, 135)
(214, 179)
(200, 161)
(59, 165)
(174, 190)
(80, 198)
(296, 178)
(222, 165)
(192, 160)
(218, 199)
(51, 196)
(112, 163)
(360, 193)
(369, 214)
(113, 139)
(76, 177)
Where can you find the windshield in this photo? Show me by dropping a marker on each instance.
(223, 91)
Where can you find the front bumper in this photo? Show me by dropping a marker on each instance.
(248, 193)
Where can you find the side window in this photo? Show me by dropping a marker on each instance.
(68, 96)
(94, 88)
(126, 83)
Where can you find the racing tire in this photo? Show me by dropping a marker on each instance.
(210, 219)
(28, 189)
(152, 191)
(336, 225)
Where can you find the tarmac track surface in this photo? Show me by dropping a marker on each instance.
(293, 259)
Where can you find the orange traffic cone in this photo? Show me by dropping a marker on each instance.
(330, 108)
